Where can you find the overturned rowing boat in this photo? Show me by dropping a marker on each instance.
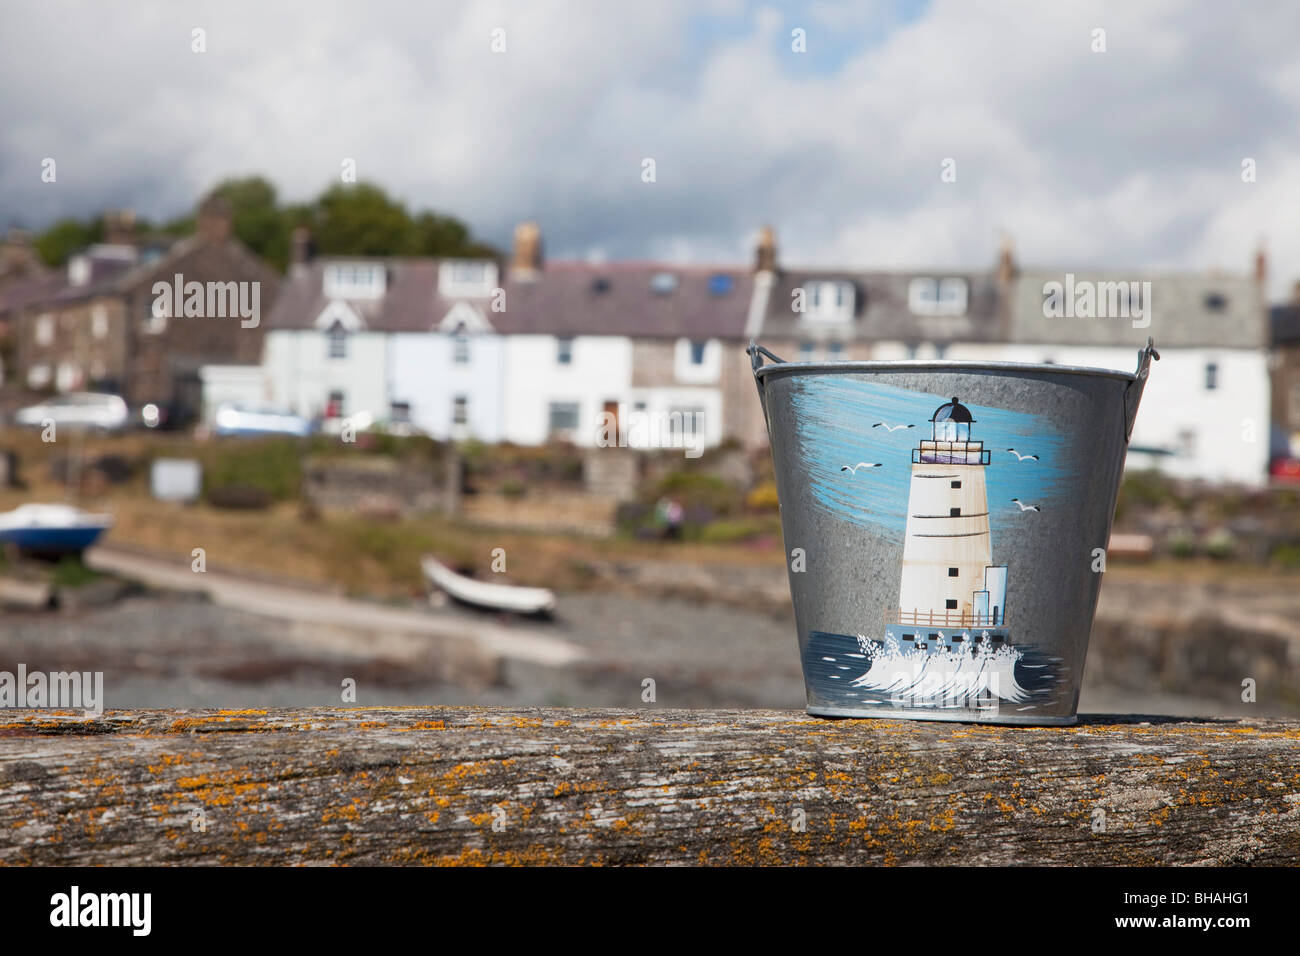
(497, 597)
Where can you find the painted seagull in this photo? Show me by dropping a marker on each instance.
(891, 428)
(1021, 457)
(861, 464)
(1025, 507)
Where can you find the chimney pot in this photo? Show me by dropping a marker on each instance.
(299, 249)
(214, 220)
(119, 227)
(1006, 261)
(765, 253)
(527, 257)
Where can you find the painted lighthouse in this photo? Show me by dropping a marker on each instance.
(952, 597)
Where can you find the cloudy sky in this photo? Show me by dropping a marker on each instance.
(1128, 157)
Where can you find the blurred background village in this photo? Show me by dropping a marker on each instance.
(275, 444)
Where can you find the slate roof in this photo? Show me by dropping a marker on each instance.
(560, 299)
(1284, 322)
(108, 274)
(1188, 310)
(410, 303)
(881, 312)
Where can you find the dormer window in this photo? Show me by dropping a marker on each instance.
(355, 280)
(460, 347)
(926, 296)
(828, 301)
(470, 278)
(78, 270)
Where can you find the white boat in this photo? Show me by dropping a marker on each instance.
(498, 597)
(52, 529)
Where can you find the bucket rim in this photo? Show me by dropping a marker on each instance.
(950, 365)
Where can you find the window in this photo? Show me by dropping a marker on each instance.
(956, 484)
(99, 322)
(831, 301)
(806, 352)
(927, 296)
(950, 604)
(954, 512)
(44, 334)
(697, 361)
(460, 410)
(1215, 301)
(460, 348)
(38, 376)
(562, 418)
(835, 350)
(720, 284)
(1211, 376)
(564, 351)
(400, 411)
(909, 637)
(957, 638)
(663, 283)
(467, 277)
(952, 572)
(156, 313)
(355, 280)
(684, 423)
(337, 341)
(335, 405)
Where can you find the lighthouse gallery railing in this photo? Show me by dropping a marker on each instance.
(950, 453)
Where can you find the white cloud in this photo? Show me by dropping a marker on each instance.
(1126, 158)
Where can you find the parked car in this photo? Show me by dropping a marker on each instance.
(1285, 471)
(86, 409)
(259, 418)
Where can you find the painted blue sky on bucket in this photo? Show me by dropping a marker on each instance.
(834, 415)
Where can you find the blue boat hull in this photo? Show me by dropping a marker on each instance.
(51, 540)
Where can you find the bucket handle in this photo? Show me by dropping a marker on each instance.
(756, 353)
(1133, 394)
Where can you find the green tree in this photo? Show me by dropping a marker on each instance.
(437, 235)
(57, 243)
(362, 220)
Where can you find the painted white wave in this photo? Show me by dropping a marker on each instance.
(942, 677)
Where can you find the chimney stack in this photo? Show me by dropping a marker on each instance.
(299, 250)
(119, 227)
(527, 259)
(17, 257)
(765, 254)
(214, 220)
(1261, 265)
(1006, 261)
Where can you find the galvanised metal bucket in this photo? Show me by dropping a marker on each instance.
(946, 526)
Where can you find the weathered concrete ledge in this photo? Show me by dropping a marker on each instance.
(486, 786)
